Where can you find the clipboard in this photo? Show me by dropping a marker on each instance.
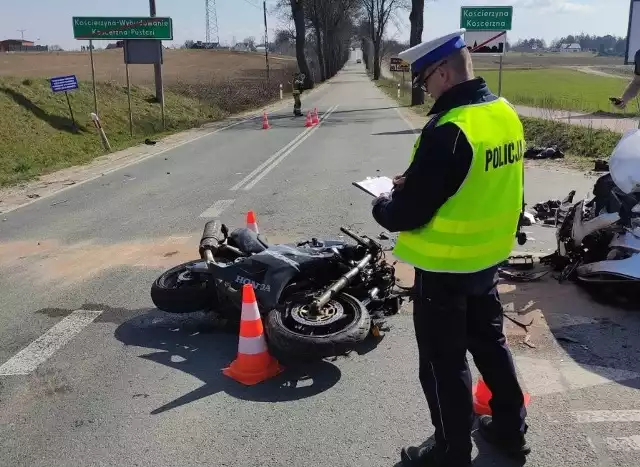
(375, 186)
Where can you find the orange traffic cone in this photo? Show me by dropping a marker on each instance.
(251, 222)
(482, 396)
(253, 363)
(265, 122)
(309, 122)
(314, 118)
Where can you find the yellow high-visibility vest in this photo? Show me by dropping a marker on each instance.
(475, 228)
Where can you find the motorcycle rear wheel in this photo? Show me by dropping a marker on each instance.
(176, 291)
(290, 336)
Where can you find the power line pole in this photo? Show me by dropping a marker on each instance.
(157, 67)
(266, 38)
(21, 31)
(211, 18)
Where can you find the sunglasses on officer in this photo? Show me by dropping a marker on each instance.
(423, 83)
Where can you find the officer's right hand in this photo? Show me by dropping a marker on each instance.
(398, 182)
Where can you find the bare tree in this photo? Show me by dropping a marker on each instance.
(415, 37)
(297, 13)
(378, 13)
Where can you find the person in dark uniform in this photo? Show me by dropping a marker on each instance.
(632, 88)
(298, 87)
(457, 208)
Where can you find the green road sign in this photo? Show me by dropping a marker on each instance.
(486, 18)
(122, 28)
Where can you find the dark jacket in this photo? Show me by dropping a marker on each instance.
(439, 167)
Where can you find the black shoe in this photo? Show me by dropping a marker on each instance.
(513, 444)
(425, 456)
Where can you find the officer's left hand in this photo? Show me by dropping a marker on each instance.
(383, 196)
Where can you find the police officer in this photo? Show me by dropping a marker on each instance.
(457, 208)
(298, 87)
(632, 88)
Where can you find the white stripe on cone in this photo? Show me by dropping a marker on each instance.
(250, 312)
(252, 345)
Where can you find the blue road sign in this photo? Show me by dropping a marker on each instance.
(63, 83)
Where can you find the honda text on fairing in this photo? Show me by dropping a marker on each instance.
(317, 298)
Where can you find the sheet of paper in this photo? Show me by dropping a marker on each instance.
(375, 186)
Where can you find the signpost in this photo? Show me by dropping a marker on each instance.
(118, 28)
(65, 84)
(148, 31)
(486, 18)
(487, 28)
(397, 64)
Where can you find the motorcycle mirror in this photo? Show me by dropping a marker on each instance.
(225, 231)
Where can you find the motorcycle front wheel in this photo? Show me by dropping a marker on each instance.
(179, 291)
(341, 324)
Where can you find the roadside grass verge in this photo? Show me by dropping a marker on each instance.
(37, 133)
(560, 89)
(581, 144)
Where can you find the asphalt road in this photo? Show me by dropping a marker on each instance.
(114, 382)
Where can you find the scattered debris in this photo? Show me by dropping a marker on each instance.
(149, 142)
(528, 219)
(33, 195)
(527, 341)
(601, 165)
(536, 152)
(383, 236)
(59, 202)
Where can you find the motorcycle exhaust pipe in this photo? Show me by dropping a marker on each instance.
(316, 305)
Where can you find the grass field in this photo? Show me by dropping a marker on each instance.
(190, 66)
(559, 88)
(580, 144)
(37, 132)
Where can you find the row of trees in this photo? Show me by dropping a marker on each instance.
(330, 27)
(603, 44)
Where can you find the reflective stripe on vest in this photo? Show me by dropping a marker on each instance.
(475, 228)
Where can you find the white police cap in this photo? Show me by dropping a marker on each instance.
(427, 53)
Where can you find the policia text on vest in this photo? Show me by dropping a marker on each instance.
(499, 156)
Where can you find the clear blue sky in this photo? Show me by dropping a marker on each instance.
(50, 20)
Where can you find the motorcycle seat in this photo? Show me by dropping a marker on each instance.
(248, 241)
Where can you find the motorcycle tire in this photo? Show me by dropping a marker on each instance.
(287, 341)
(186, 299)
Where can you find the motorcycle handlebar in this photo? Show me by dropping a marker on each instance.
(356, 237)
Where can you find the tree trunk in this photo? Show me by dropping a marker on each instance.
(297, 11)
(321, 57)
(417, 22)
(376, 60)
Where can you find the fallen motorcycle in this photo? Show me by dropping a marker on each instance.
(598, 238)
(317, 298)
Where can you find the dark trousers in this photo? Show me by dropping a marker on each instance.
(454, 313)
(297, 104)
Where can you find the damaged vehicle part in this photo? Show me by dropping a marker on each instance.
(317, 298)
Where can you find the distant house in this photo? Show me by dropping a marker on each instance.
(575, 47)
(15, 45)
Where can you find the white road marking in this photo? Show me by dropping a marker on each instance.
(217, 208)
(288, 151)
(626, 443)
(36, 353)
(598, 416)
(262, 166)
(541, 376)
(406, 120)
